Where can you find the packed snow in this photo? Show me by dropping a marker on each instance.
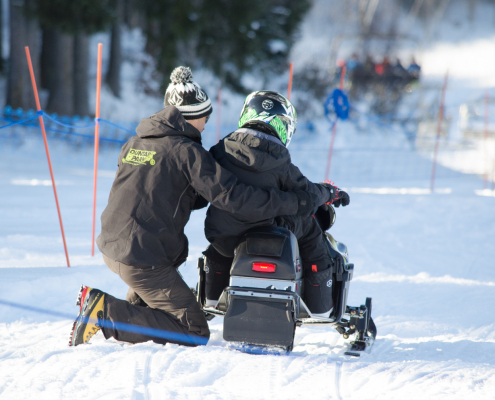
(426, 259)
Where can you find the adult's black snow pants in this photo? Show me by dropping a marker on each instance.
(316, 260)
(158, 298)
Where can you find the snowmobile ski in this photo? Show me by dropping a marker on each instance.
(364, 339)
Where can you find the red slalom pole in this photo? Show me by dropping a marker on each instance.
(334, 129)
(485, 175)
(289, 87)
(439, 131)
(42, 126)
(493, 175)
(97, 142)
(219, 116)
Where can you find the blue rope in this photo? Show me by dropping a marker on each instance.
(97, 121)
(17, 123)
(69, 133)
(66, 125)
(112, 124)
(142, 330)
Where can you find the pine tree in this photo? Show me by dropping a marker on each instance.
(227, 37)
(65, 52)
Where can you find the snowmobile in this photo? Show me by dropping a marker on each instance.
(263, 305)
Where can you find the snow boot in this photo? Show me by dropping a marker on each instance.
(88, 322)
(318, 288)
(217, 275)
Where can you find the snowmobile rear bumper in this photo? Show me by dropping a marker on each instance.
(266, 319)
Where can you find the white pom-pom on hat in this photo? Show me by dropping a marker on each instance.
(181, 75)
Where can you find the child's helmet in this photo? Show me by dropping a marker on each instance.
(271, 113)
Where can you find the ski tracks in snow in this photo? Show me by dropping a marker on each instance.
(143, 377)
(275, 376)
(338, 374)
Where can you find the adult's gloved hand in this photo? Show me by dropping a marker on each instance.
(343, 199)
(306, 204)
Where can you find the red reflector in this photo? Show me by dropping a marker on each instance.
(314, 268)
(264, 267)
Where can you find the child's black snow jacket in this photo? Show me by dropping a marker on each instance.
(256, 159)
(160, 173)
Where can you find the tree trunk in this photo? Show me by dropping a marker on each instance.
(132, 16)
(47, 58)
(472, 10)
(61, 98)
(18, 77)
(81, 80)
(113, 73)
(33, 41)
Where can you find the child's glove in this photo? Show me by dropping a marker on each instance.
(343, 199)
(337, 196)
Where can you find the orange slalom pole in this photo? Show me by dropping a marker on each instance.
(42, 126)
(289, 87)
(97, 142)
(485, 175)
(219, 116)
(493, 176)
(439, 131)
(334, 130)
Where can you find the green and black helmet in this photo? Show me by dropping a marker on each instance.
(269, 112)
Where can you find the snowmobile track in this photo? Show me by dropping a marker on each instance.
(338, 376)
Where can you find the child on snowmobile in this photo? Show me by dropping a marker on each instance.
(257, 154)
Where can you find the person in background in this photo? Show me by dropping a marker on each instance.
(352, 63)
(368, 71)
(399, 73)
(414, 69)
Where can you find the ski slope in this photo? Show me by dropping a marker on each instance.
(426, 259)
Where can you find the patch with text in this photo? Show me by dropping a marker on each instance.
(139, 157)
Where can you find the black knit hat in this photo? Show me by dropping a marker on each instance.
(187, 95)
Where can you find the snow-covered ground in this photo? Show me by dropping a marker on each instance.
(427, 260)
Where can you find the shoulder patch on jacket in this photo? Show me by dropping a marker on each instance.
(139, 157)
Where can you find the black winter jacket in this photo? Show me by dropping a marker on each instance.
(256, 159)
(162, 173)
